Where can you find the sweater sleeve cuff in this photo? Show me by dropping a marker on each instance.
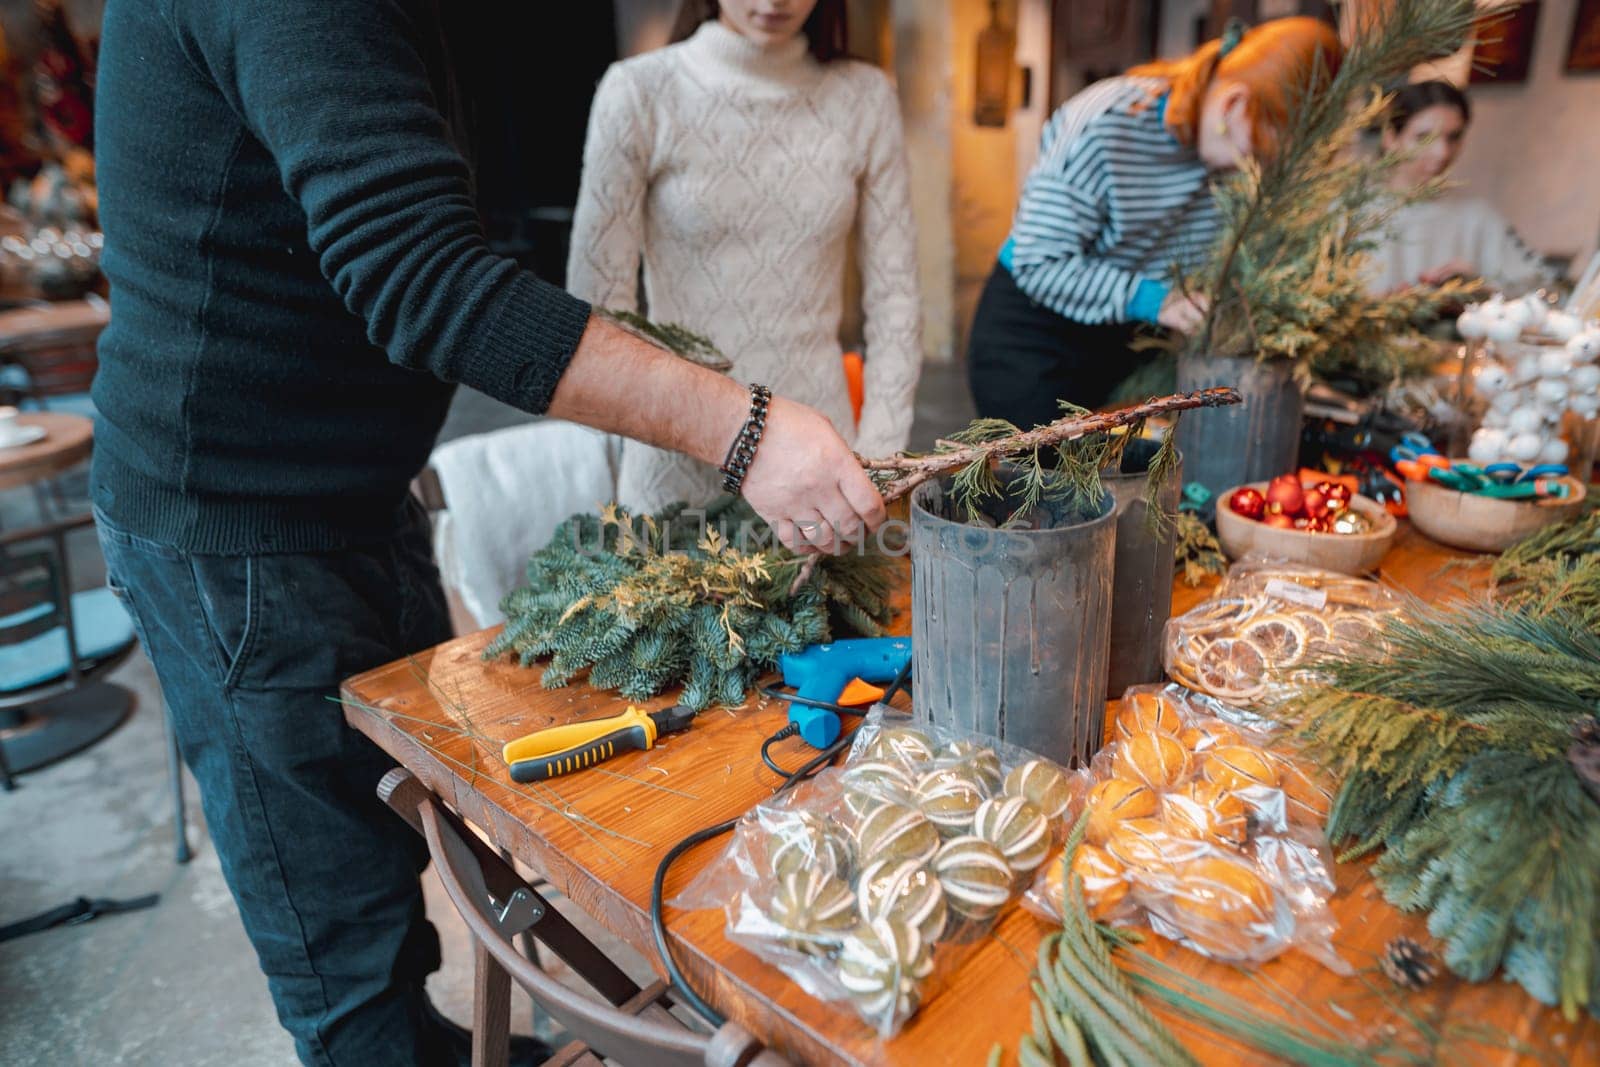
(1148, 296)
(527, 344)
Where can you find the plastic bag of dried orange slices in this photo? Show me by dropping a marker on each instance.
(1203, 827)
(1265, 625)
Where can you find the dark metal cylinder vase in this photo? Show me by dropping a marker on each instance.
(1249, 442)
(1141, 599)
(1011, 627)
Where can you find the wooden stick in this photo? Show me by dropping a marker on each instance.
(919, 469)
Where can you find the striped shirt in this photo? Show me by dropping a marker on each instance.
(1113, 210)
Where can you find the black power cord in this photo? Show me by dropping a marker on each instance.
(658, 925)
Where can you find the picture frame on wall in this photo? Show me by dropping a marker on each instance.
(1583, 54)
(1504, 49)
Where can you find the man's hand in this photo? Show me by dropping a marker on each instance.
(1184, 313)
(806, 482)
(804, 479)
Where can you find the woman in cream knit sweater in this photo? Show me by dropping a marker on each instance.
(733, 167)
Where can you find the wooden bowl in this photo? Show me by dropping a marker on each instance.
(1344, 553)
(1482, 523)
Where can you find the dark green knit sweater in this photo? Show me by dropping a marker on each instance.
(298, 275)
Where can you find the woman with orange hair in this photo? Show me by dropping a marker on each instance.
(1120, 204)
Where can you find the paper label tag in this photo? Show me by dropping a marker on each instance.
(1294, 593)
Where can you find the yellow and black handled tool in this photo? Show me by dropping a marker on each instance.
(564, 749)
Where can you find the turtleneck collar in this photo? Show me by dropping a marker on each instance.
(721, 53)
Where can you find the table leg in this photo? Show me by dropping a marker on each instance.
(41, 733)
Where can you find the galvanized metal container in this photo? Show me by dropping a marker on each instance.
(1141, 599)
(1249, 442)
(1011, 627)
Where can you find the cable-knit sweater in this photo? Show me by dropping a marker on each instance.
(735, 176)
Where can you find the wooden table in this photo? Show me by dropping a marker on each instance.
(444, 713)
(66, 443)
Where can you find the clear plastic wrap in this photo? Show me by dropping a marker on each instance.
(1266, 621)
(868, 884)
(1204, 827)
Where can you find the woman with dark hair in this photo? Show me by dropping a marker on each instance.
(1119, 204)
(732, 167)
(1451, 237)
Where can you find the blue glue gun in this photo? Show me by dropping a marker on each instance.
(821, 672)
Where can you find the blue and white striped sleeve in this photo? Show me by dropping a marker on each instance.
(1061, 214)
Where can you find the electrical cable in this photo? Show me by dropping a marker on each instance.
(658, 925)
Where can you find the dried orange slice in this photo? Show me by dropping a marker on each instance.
(1353, 627)
(1316, 627)
(1281, 637)
(1234, 669)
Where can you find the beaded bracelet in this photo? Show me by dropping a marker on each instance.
(743, 450)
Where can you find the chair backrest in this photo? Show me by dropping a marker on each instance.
(30, 595)
(56, 345)
(627, 1039)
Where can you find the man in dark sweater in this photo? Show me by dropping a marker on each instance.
(299, 279)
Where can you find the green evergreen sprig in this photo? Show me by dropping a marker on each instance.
(1556, 567)
(1455, 742)
(1289, 278)
(646, 604)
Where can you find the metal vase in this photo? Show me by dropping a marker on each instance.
(1011, 627)
(1249, 442)
(1141, 600)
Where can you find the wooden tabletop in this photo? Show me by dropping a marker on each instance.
(66, 443)
(597, 837)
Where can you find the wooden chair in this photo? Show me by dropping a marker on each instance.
(629, 1026)
(55, 646)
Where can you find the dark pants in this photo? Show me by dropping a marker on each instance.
(249, 649)
(1023, 358)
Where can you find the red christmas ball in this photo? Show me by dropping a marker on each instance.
(1316, 502)
(1286, 493)
(1301, 522)
(1322, 524)
(1338, 496)
(1278, 520)
(1248, 502)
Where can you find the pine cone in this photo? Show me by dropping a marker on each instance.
(1584, 754)
(1407, 963)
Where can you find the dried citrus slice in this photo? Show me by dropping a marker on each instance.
(1281, 637)
(1353, 627)
(1315, 626)
(1233, 669)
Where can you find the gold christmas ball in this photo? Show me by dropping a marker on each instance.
(1042, 782)
(1114, 800)
(807, 840)
(1240, 767)
(883, 965)
(1159, 760)
(949, 797)
(1018, 829)
(895, 832)
(1206, 812)
(904, 890)
(975, 875)
(1144, 713)
(980, 762)
(868, 783)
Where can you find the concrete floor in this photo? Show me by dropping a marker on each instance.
(177, 985)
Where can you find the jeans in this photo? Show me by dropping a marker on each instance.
(249, 650)
(1023, 357)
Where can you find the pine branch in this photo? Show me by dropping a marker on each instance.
(975, 454)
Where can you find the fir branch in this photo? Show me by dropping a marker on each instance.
(678, 340)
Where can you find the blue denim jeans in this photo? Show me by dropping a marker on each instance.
(249, 649)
